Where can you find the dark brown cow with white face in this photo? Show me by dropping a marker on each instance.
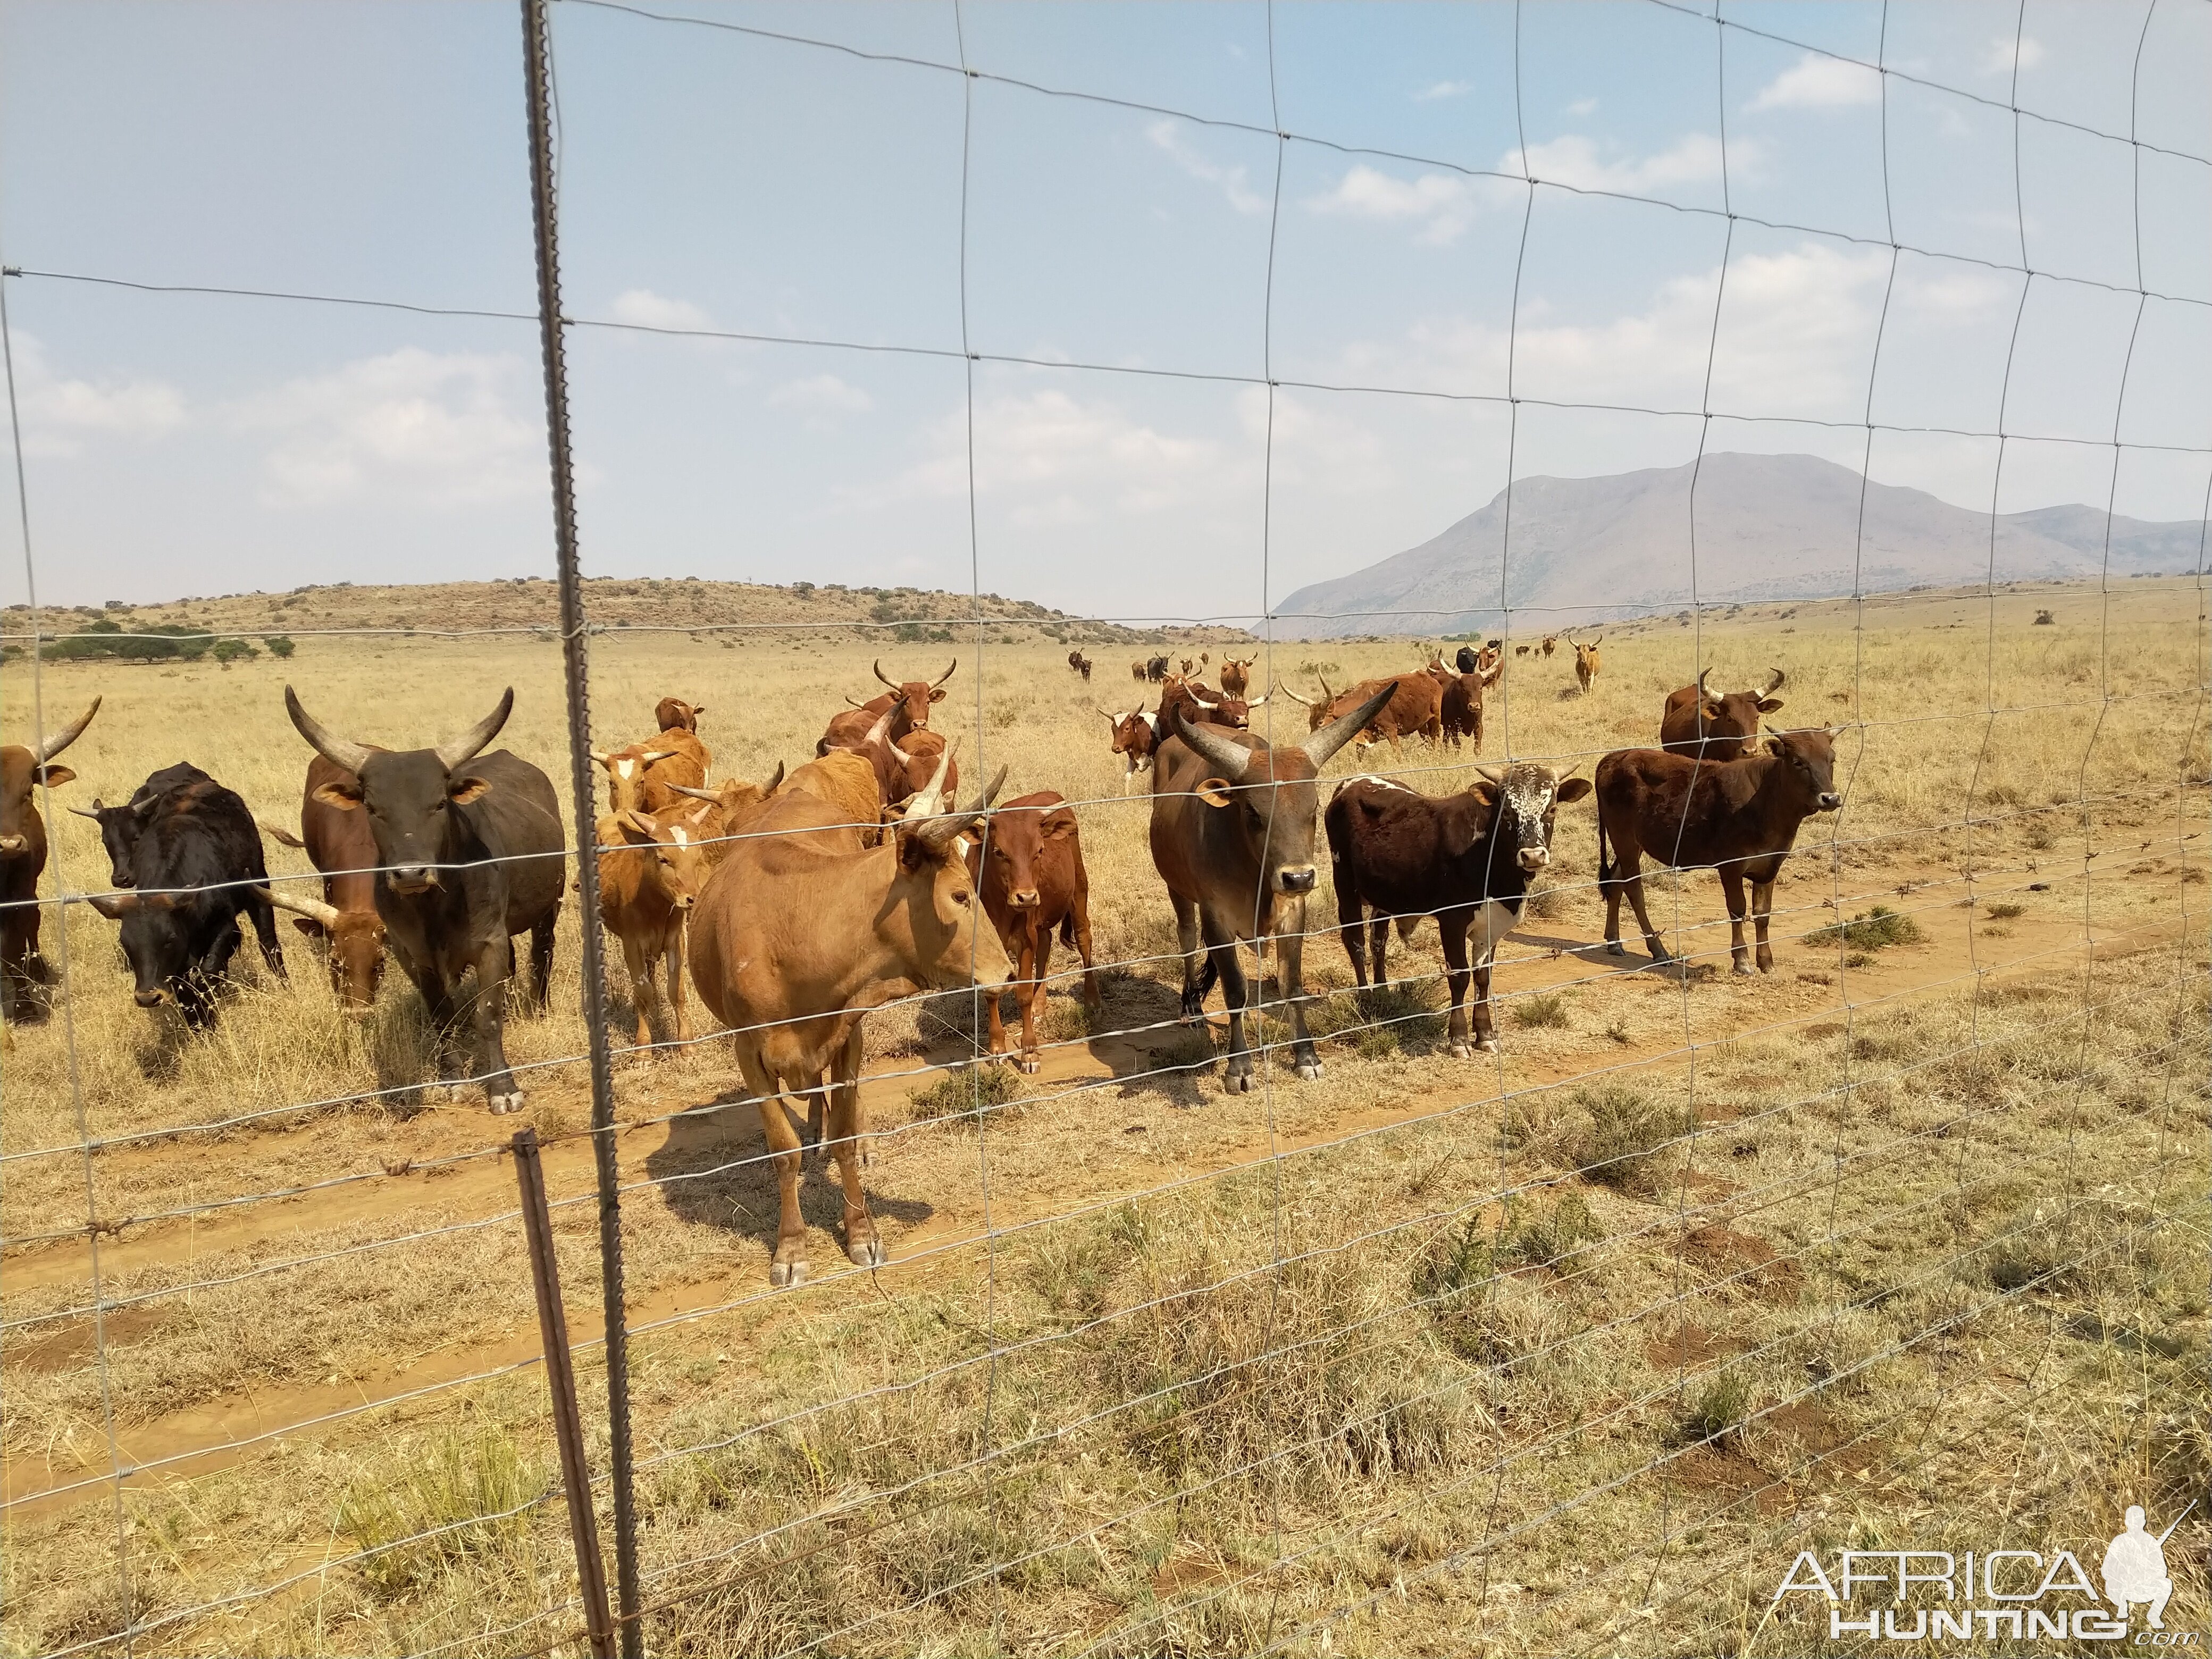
(1738, 818)
(23, 857)
(1136, 735)
(1698, 721)
(1232, 837)
(1028, 865)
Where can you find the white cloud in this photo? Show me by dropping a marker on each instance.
(429, 428)
(1443, 203)
(1574, 159)
(821, 400)
(643, 308)
(1998, 60)
(1235, 181)
(1817, 83)
(1583, 107)
(59, 411)
(1431, 94)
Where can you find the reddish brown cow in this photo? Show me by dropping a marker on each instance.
(1738, 818)
(902, 767)
(651, 869)
(1697, 721)
(1415, 708)
(643, 777)
(1551, 643)
(1136, 735)
(1029, 868)
(1236, 675)
(674, 715)
(1199, 702)
(23, 857)
(339, 844)
(724, 808)
(1460, 714)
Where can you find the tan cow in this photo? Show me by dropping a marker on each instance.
(722, 808)
(651, 869)
(1585, 662)
(799, 932)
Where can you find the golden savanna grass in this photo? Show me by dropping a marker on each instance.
(1569, 1351)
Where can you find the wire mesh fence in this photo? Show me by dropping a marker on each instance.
(1536, 1291)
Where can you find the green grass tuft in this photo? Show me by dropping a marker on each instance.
(1627, 1143)
(1877, 929)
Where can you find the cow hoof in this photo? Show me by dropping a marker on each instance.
(1486, 1045)
(1237, 1082)
(1310, 1071)
(1461, 1051)
(867, 1252)
(787, 1275)
(1745, 969)
(1027, 1064)
(1615, 948)
(502, 1104)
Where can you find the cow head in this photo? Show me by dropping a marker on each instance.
(1015, 841)
(1317, 711)
(931, 915)
(1730, 721)
(1527, 794)
(1271, 793)
(674, 715)
(1132, 732)
(1808, 766)
(156, 940)
(118, 835)
(679, 857)
(353, 938)
(21, 770)
(626, 769)
(409, 794)
(915, 696)
(733, 801)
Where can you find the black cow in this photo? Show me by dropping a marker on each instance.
(195, 864)
(1232, 837)
(119, 825)
(1466, 860)
(1156, 668)
(1470, 663)
(469, 857)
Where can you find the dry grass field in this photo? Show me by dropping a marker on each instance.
(1567, 1350)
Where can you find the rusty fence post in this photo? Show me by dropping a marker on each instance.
(561, 1380)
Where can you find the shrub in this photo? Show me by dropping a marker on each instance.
(460, 1493)
(280, 645)
(1546, 1012)
(1875, 930)
(968, 1091)
(2005, 912)
(227, 651)
(1625, 1144)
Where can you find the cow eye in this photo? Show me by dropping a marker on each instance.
(960, 896)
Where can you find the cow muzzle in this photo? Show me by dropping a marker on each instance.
(14, 843)
(1295, 879)
(1025, 898)
(1830, 800)
(411, 878)
(1534, 859)
(150, 998)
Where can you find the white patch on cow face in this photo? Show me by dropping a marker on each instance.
(683, 835)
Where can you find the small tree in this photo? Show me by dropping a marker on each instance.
(227, 651)
(280, 645)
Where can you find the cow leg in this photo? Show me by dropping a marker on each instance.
(264, 932)
(1195, 984)
(437, 993)
(1028, 985)
(993, 996)
(1350, 923)
(1762, 908)
(1221, 959)
(1732, 891)
(1290, 981)
(672, 958)
(541, 961)
(788, 1264)
(1079, 924)
(1452, 924)
(862, 1247)
(643, 992)
(495, 965)
(1628, 875)
(1378, 946)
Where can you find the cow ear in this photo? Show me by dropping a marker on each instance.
(52, 776)
(1573, 790)
(1769, 705)
(1060, 826)
(1214, 791)
(307, 927)
(1714, 711)
(937, 696)
(464, 791)
(343, 796)
(1774, 746)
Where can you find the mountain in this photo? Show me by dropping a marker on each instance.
(1768, 527)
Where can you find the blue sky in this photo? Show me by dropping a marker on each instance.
(715, 180)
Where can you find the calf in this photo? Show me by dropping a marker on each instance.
(119, 825)
(1738, 818)
(1236, 675)
(1029, 868)
(23, 857)
(651, 869)
(1585, 662)
(1696, 722)
(1080, 662)
(196, 868)
(1466, 860)
(466, 858)
(1232, 835)
(1136, 735)
(341, 845)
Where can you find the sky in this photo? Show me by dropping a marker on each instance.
(1107, 202)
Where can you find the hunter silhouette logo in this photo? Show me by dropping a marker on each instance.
(2135, 1568)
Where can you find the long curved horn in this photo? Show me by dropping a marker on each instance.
(774, 783)
(50, 747)
(1491, 774)
(91, 811)
(459, 752)
(651, 756)
(1251, 704)
(937, 835)
(1292, 695)
(1702, 689)
(1327, 695)
(313, 910)
(1342, 730)
(880, 732)
(1115, 719)
(1775, 677)
(276, 832)
(929, 800)
(1229, 760)
(878, 666)
(695, 794)
(336, 750)
(851, 701)
(945, 675)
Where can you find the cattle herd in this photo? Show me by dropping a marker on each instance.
(794, 906)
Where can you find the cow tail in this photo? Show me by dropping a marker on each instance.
(1604, 864)
(1207, 975)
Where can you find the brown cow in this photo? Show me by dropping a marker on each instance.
(1189, 668)
(642, 776)
(340, 844)
(1080, 662)
(1199, 702)
(1738, 818)
(1551, 643)
(1585, 660)
(798, 933)
(674, 715)
(23, 857)
(907, 704)
(1137, 672)
(1461, 714)
(1232, 835)
(1236, 675)
(725, 807)
(1697, 721)
(901, 769)
(1136, 735)
(1414, 710)
(1029, 868)
(651, 869)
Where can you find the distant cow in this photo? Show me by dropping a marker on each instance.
(651, 869)
(339, 844)
(1027, 864)
(1414, 710)
(1697, 721)
(1136, 735)
(467, 858)
(1232, 837)
(798, 933)
(674, 715)
(23, 856)
(1585, 662)
(1738, 818)
(1199, 702)
(1466, 860)
(119, 825)
(1551, 643)
(196, 870)
(1137, 672)
(1156, 668)
(1236, 675)
(1520, 650)
(1460, 714)
(1080, 662)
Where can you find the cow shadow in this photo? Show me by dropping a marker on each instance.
(714, 1169)
(1138, 1037)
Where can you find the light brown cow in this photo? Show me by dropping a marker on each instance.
(1585, 662)
(23, 857)
(798, 933)
(724, 808)
(1551, 643)
(674, 715)
(1029, 868)
(1236, 675)
(651, 869)
(642, 776)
